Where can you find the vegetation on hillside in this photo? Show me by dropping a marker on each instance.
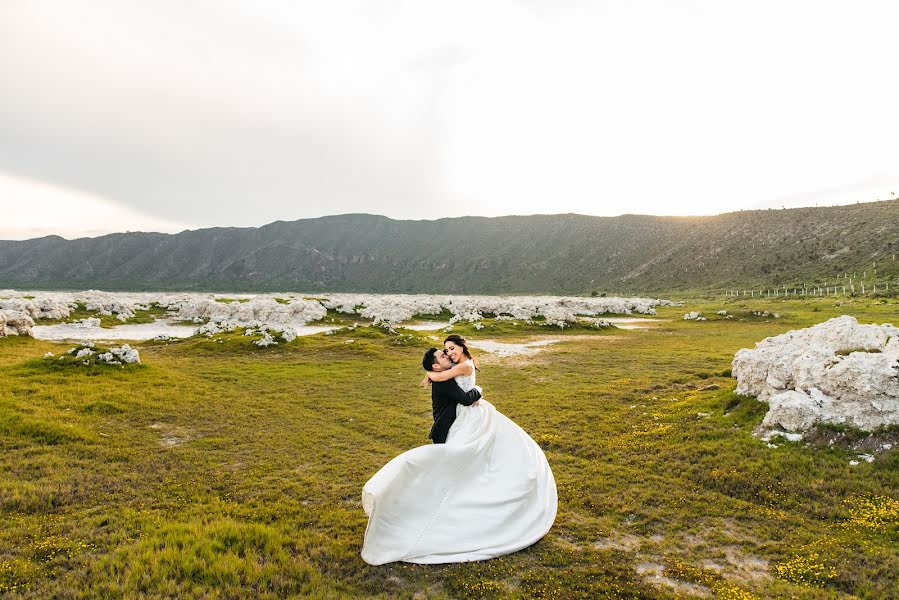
(569, 254)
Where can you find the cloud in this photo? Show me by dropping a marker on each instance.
(201, 116)
(33, 209)
(243, 113)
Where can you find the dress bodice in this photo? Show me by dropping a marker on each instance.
(466, 382)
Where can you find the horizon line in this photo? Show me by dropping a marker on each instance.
(359, 214)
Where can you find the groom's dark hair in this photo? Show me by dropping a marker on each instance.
(429, 359)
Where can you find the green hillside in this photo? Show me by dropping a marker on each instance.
(572, 254)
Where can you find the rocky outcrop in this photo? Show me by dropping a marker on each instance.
(123, 354)
(15, 323)
(836, 372)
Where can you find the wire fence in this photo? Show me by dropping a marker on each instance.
(866, 282)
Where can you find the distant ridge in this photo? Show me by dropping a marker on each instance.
(571, 254)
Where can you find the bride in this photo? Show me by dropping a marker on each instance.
(486, 492)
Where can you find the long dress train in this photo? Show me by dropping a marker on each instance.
(486, 492)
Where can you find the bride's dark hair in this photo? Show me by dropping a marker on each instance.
(460, 341)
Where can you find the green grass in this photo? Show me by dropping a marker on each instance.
(335, 318)
(849, 351)
(222, 470)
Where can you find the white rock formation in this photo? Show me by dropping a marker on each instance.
(38, 307)
(14, 322)
(556, 310)
(215, 327)
(261, 310)
(835, 372)
(692, 316)
(267, 340)
(123, 354)
(282, 312)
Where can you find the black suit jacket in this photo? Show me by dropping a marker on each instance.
(445, 395)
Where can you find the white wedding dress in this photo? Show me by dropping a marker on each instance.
(486, 492)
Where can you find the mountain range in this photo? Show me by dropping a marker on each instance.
(564, 254)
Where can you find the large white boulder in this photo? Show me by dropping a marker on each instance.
(13, 322)
(838, 371)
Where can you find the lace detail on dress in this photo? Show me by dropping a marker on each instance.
(466, 382)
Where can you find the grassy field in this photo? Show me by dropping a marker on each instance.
(218, 469)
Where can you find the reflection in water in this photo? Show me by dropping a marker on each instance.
(631, 322)
(507, 349)
(427, 326)
(140, 331)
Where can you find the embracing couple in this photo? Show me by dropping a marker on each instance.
(483, 489)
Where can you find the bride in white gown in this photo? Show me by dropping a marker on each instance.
(486, 492)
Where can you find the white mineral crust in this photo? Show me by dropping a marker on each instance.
(835, 372)
(288, 311)
(13, 322)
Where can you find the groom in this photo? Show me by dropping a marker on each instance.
(445, 395)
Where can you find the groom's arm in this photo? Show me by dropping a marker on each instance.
(455, 394)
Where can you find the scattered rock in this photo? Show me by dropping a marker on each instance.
(125, 354)
(267, 340)
(765, 314)
(787, 435)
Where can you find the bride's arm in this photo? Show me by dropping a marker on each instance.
(461, 369)
(455, 394)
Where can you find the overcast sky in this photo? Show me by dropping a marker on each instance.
(166, 115)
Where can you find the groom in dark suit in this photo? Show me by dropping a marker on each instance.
(445, 395)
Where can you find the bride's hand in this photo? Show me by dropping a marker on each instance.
(425, 382)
